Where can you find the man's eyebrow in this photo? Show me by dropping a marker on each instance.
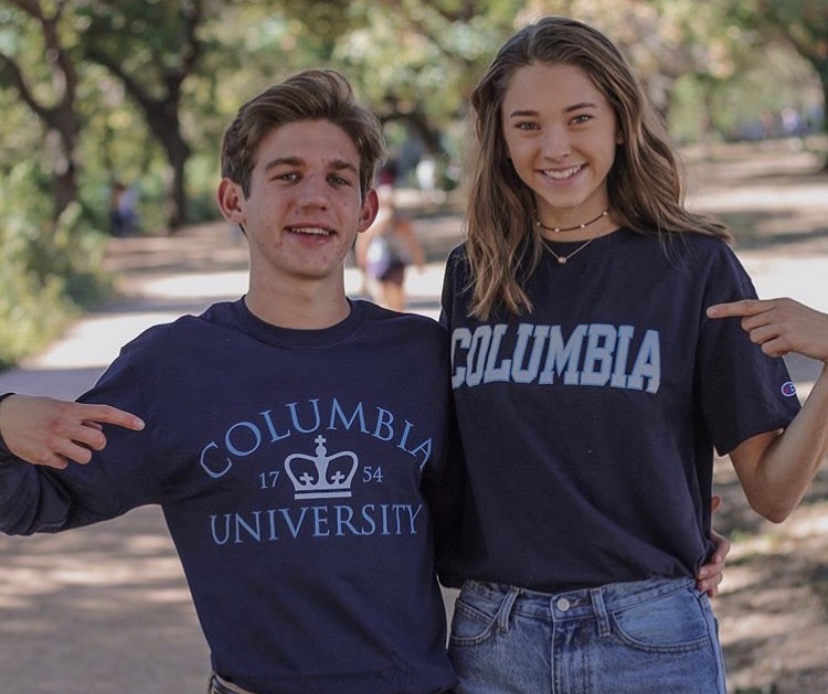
(334, 164)
(342, 164)
(282, 161)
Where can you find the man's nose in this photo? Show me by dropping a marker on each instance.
(314, 191)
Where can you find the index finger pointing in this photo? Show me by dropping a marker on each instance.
(738, 309)
(106, 414)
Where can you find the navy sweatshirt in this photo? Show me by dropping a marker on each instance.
(290, 466)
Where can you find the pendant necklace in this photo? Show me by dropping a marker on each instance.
(558, 230)
(563, 258)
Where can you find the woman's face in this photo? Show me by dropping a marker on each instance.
(561, 134)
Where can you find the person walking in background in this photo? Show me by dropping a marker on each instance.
(591, 389)
(386, 249)
(122, 214)
(780, 325)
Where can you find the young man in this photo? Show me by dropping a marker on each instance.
(284, 438)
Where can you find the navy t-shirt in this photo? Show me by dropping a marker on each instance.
(589, 424)
(290, 468)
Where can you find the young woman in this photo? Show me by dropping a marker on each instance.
(591, 389)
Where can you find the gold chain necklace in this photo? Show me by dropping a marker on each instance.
(558, 230)
(563, 258)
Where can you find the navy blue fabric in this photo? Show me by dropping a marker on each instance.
(589, 424)
(304, 579)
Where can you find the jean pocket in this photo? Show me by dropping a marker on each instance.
(474, 620)
(679, 621)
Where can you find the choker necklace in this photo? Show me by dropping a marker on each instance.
(563, 258)
(558, 230)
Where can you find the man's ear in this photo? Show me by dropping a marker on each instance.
(229, 197)
(368, 213)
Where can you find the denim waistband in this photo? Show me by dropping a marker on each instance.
(571, 604)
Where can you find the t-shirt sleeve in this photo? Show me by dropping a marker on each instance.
(742, 392)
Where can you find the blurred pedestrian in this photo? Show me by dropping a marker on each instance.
(122, 210)
(386, 249)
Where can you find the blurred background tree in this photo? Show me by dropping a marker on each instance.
(99, 91)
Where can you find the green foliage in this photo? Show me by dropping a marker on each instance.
(745, 101)
(710, 66)
(50, 270)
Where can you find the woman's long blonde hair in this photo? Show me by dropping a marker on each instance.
(644, 185)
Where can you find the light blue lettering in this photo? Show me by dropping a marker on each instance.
(647, 364)
(494, 373)
(461, 337)
(320, 521)
(563, 358)
(538, 333)
(622, 353)
(367, 516)
(248, 426)
(338, 413)
(295, 417)
(294, 527)
(600, 348)
(476, 359)
(254, 530)
(384, 421)
(344, 516)
(271, 427)
(223, 540)
(203, 460)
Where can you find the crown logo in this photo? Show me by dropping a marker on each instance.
(322, 476)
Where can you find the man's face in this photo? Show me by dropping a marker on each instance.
(305, 206)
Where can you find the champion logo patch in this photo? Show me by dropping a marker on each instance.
(789, 389)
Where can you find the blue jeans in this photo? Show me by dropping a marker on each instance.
(650, 637)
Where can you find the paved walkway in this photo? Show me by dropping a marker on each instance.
(99, 610)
